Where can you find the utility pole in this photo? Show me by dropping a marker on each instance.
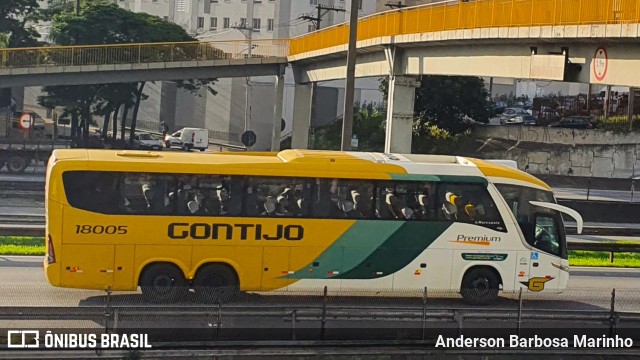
(318, 19)
(347, 118)
(248, 26)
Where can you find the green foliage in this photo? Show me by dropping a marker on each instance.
(22, 240)
(14, 22)
(445, 101)
(618, 123)
(443, 106)
(110, 24)
(368, 126)
(21, 245)
(431, 139)
(601, 258)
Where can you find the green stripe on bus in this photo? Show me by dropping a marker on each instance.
(400, 249)
(353, 247)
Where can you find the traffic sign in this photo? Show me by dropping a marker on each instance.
(248, 138)
(600, 63)
(25, 121)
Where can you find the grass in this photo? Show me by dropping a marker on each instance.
(24, 245)
(21, 245)
(601, 258)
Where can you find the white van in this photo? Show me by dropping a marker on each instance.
(188, 138)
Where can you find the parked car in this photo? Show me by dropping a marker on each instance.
(522, 120)
(575, 122)
(188, 138)
(147, 142)
(499, 107)
(511, 112)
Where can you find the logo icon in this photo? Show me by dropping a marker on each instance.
(23, 339)
(536, 283)
(534, 256)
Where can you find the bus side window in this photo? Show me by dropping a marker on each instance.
(468, 203)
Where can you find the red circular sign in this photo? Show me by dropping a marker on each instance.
(600, 63)
(25, 121)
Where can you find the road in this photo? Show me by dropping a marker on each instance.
(22, 283)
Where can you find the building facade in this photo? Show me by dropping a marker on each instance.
(246, 103)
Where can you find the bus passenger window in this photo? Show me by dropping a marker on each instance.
(342, 199)
(275, 196)
(468, 203)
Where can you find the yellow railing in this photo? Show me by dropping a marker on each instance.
(139, 53)
(472, 15)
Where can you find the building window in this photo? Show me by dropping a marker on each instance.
(225, 23)
(269, 24)
(313, 2)
(200, 22)
(311, 28)
(243, 22)
(214, 23)
(214, 1)
(256, 25)
(181, 5)
(359, 4)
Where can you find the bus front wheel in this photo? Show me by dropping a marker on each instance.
(162, 283)
(216, 283)
(480, 286)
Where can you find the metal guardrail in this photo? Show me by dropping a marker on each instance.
(455, 15)
(296, 317)
(143, 53)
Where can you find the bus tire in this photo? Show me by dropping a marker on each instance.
(17, 164)
(216, 283)
(162, 283)
(480, 286)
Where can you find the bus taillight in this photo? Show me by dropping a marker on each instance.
(51, 254)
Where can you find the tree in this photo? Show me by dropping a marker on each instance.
(442, 108)
(368, 126)
(15, 16)
(110, 24)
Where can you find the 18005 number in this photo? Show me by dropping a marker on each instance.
(100, 229)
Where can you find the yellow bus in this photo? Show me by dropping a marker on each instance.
(168, 222)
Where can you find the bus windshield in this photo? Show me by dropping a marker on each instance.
(542, 228)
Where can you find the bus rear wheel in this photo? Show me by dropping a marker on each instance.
(216, 283)
(163, 283)
(480, 286)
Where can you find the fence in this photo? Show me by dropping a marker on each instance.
(454, 15)
(139, 53)
(323, 314)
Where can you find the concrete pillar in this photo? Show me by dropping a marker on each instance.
(168, 93)
(301, 116)
(400, 100)
(276, 134)
(17, 94)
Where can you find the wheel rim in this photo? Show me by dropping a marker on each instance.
(481, 285)
(163, 284)
(16, 164)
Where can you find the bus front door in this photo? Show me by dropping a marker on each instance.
(546, 251)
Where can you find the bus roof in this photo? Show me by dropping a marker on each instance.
(336, 162)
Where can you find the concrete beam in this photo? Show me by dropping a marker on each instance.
(400, 114)
(89, 75)
(367, 65)
(301, 116)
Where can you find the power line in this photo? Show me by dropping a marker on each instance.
(317, 19)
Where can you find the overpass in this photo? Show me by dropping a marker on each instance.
(563, 40)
